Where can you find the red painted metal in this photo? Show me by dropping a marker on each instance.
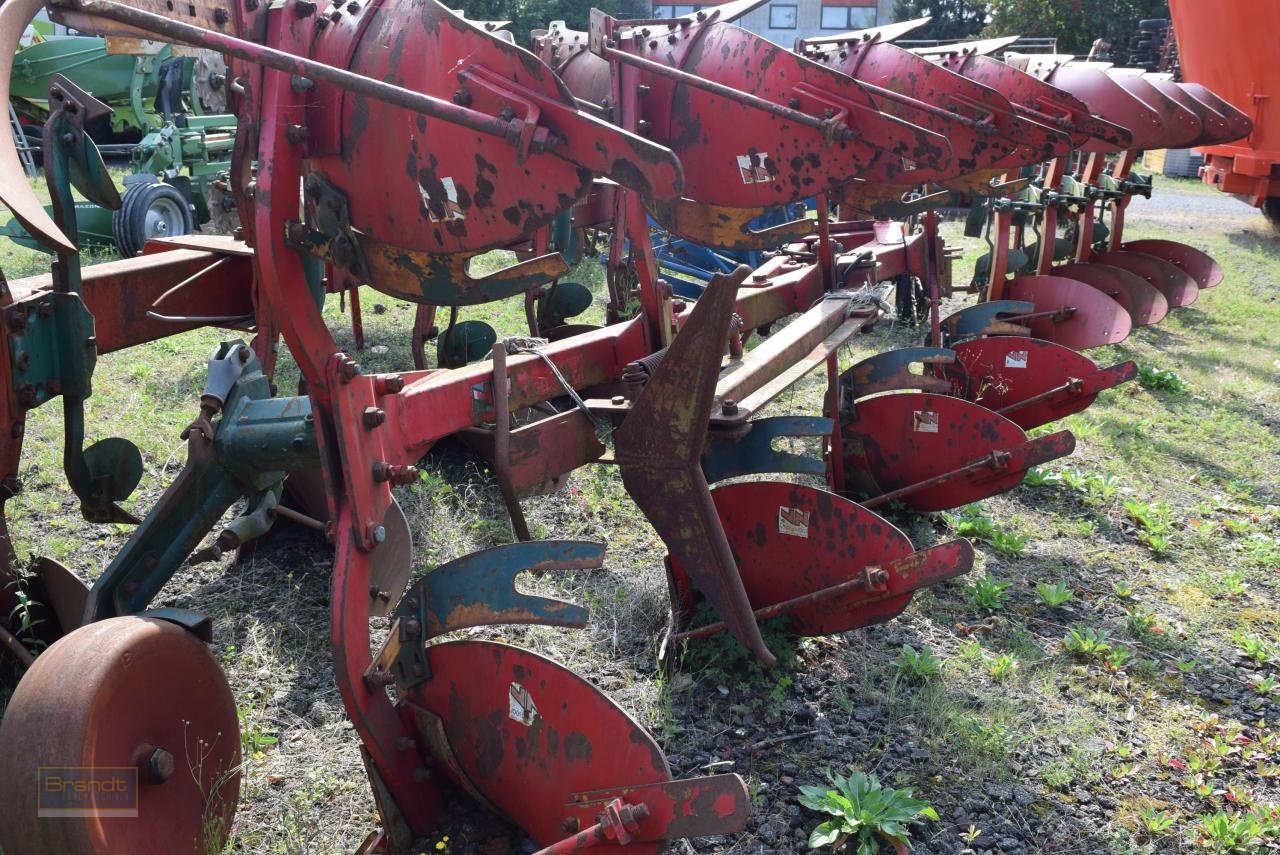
(847, 565)
(1030, 381)
(1199, 266)
(529, 736)
(934, 452)
(1178, 287)
(1230, 47)
(1144, 302)
(1069, 312)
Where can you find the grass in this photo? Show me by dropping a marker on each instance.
(1195, 463)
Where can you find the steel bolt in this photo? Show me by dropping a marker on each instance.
(221, 16)
(379, 594)
(382, 471)
(412, 628)
(91, 342)
(300, 84)
(160, 766)
(353, 7)
(350, 369)
(388, 385)
(377, 534)
(571, 824)
(462, 97)
(373, 417)
(335, 15)
(45, 309)
(251, 5)
(618, 400)
(296, 133)
(729, 407)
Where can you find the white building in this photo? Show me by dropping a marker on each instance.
(783, 21)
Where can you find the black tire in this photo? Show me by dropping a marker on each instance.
(150, 211)
(1271, 210)
(1153, 25)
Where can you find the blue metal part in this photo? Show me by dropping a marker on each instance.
(754, 454)
(480, 590)
(978, 319)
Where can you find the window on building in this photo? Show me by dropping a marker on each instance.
(669, 11)
(848, 14)
(782, 17)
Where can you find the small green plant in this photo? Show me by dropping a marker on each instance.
(919, 665)
(1103, 488)
(1161, 380)
(971, 834)
(1257, 649)
(1075, 479)
(22, 617)
(1118, 657)
(1054, 595)
(253, 739)
(1245, 831)
(863, 813)
(1008, 543)
(1001, 666)
(1156, 822)
(971, 522)
(1122, 588)
(1038, 477)
(1088, 643)
(988, 592)
(1265, 685)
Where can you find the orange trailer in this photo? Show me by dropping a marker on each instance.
(1231, 46)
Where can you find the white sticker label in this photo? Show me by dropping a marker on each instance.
(1015, 359)
(793, 521)
(753, 169)
(520, 705)
(926, 421)
(452, 210)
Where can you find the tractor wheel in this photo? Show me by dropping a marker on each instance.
(125, 717)
(1271, 210)
(150, 211)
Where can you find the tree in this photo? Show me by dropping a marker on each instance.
(528, 15)
(1075, 23)
(953, 20)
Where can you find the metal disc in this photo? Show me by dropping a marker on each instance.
(527, 733)
(1002, 370)
(900, 440)
(1191, 261)
(1178, 287)
(790, 540)
(109, 695)
(1142, 300)
(1097, 319)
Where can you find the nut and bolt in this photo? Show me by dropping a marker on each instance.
(221, 16)
(377, 533)
(379, 594)
(571, 824)
(373, 416)
(160, 766)
(390, 384)
(618, 400)
(349, 371)
(729, 407)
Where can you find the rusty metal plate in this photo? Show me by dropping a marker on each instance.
(444, 188)
(528, 734)
(1238, 122)
(1198, 265)
(792, 540)
(1178, 287)
(1214, 128)
(901, 441)
(1142, 300)
(1097, 319)
(109, 695)
(1030, 381)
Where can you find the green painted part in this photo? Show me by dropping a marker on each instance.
(257, 441)
(464, 343)
(124, 82)
(93, 227)
(49, 348)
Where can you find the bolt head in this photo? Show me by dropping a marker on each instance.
(160, 766)
(378, 534)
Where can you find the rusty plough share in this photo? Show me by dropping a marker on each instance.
(479, 144)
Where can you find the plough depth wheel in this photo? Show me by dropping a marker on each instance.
(852, 567)
(143, 701)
